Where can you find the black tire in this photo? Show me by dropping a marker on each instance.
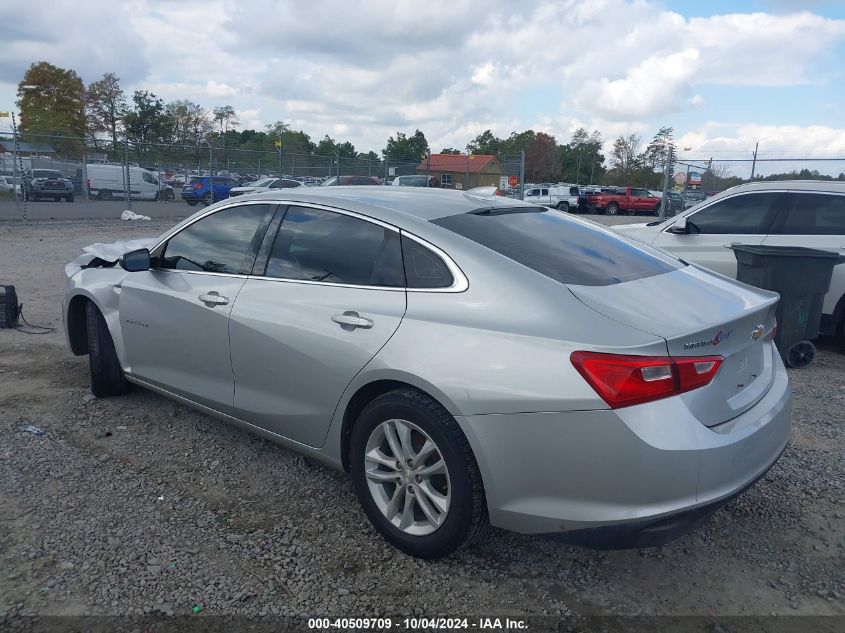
(206, 199)
(107, 377)
(611, 209)
(191, 202)
(104, 195)
(157, 197)
(800, 354)
(563, 206)
(467, 517)
(169, 195)
(69, 198)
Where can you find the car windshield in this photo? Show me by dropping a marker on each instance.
(559, 247)
(46, 173)
(412, 181)
(329, 181)
(265, 182)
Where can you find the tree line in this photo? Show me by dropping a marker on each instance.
(55, 104)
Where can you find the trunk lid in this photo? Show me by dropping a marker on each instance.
(699, 313)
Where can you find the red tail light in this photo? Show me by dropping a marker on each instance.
(197, 185)
(622, 381)
(88, 183)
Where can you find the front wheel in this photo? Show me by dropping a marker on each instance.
(415, 475)
(206, 199)
(612, 209)
(107, 377)
(191, 202)
(69, 198)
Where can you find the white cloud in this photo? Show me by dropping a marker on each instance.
(219, 89)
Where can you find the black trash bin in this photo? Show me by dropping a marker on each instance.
(802, 278)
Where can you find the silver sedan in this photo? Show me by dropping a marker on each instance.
(469, 360)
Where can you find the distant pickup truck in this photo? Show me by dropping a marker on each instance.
(623, 200)
(563, 197)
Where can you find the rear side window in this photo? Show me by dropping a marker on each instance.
(566, 250)
(423, 268)
(749, 214)
(812, 214)
(218, 243)
(319, 245)
(573, 191)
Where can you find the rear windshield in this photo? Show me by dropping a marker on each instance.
(46, 173)
(566, 250)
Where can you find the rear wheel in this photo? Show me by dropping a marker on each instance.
(107, 377)
(612, 209)
(206, 199)
(69, 198)
(191, 202)
(415, 475)
(563, 206)
(104, 195)
(169, 196)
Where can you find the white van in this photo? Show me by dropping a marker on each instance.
(106, 182)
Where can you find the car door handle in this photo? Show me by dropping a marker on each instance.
(213, 298)
(350, 320)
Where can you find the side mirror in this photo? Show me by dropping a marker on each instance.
(136, 261)
(679, 227)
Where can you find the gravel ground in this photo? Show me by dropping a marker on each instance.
(137, 505)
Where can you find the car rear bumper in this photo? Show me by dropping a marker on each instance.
(607, 476)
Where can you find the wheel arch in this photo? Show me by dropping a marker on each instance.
(77, 324)
(368, 392)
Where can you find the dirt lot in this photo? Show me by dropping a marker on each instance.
(137, 505)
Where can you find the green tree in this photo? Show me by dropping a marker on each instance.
(403, 146)
(485, 143)
(226, 118)
(653, 158)
(106, 105)
(581, 159)
(146, 122)
(329, 147)
(450, 150)
(624, 159)
(516, 142)
(188, 122)
(52, 102)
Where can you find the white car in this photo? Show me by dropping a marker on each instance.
(262, 186)
(7, 186)
(806, 213)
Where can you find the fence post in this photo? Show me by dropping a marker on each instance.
(15, 155)
(754, 162)
(85, 174)
(666, 171)
(427, 167)
(386, 166)
(522, 174)
(293, 165)
(127, 192)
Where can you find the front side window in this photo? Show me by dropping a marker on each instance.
(446, 180)
(147, 177)
(812, 214)
(565, 250)
(318, 245)
(749, 214)
(217, 243)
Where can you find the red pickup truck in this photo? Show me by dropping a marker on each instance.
(623, 200)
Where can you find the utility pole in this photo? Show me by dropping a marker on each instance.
(127, 191)
(666, 171)
(427, 166)
(754, 161)
(337, 158)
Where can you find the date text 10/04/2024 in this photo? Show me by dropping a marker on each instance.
(478, 624)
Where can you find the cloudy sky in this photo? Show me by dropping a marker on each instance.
(724, 74)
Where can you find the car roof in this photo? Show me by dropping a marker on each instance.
(797, 185)
(383, 202)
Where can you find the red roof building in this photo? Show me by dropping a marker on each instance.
(463, 171)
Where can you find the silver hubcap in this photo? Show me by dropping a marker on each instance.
(407, 477)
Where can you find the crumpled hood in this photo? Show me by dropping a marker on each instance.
(106, 252)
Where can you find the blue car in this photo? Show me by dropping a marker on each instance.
(198, 189)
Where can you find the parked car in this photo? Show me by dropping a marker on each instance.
(350, 180)
(418, 180)
(48, 183)
(624, 200)
(675, 203)
(783, 213)
(176, 180)
(261, 186)
(107, 182)
(10, 184)
(563, 197)
(381, 336)
(692, 198)
(199, 189)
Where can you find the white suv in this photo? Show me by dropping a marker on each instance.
(780, 213)
(563, 197)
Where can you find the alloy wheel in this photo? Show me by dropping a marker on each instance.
(407, 477)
